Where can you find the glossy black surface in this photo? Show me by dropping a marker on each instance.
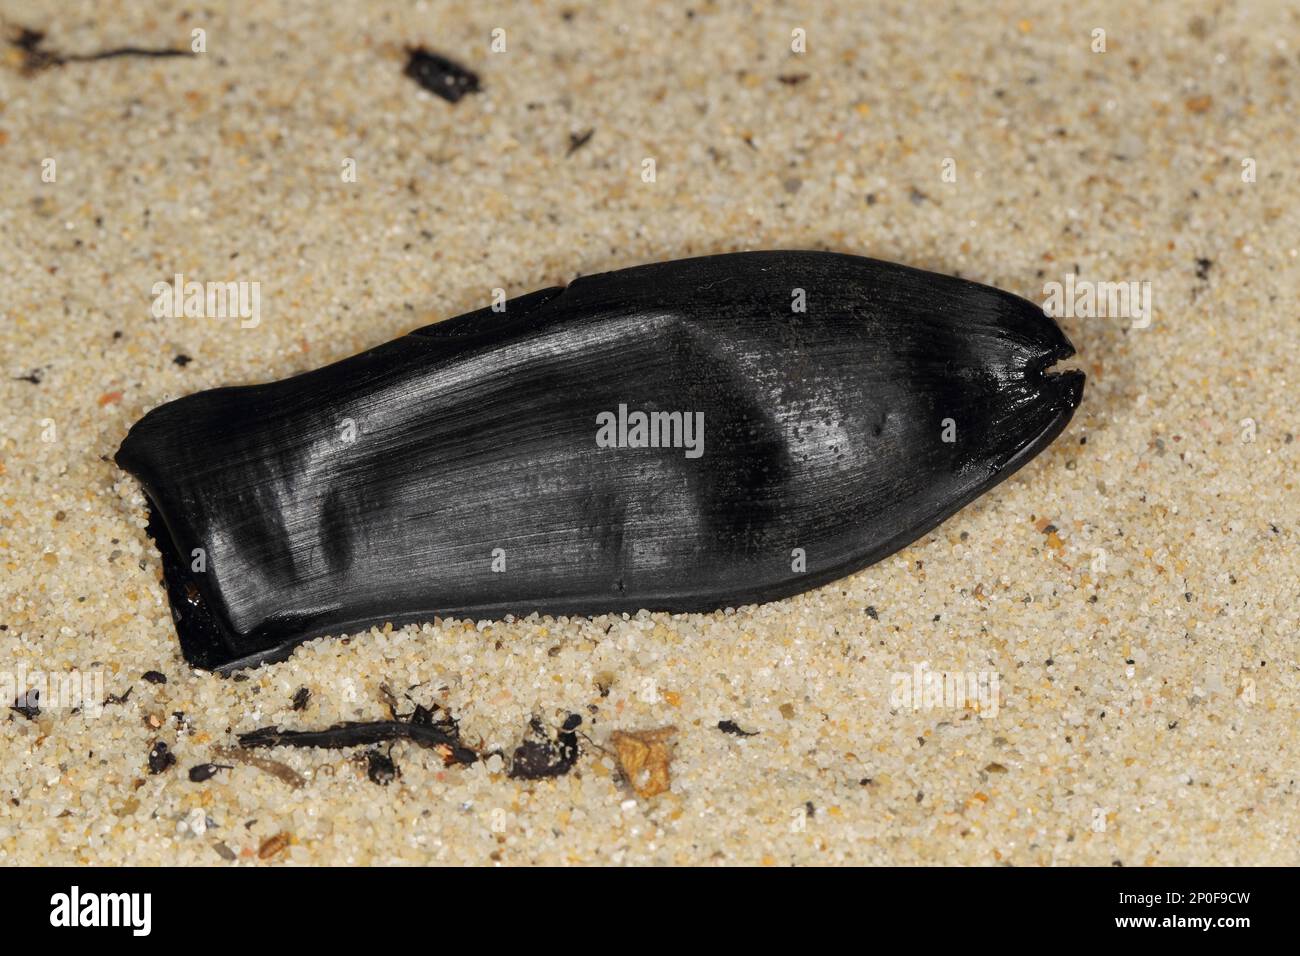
(475, 442)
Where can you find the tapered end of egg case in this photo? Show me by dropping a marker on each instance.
(1037, 402)
(1062, 389)
(460, 471)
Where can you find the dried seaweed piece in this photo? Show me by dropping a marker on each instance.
(730, 727)
(36, 58)
(679, 437)
(29, 43)
(380, 767)
(118, 698)
(27, 703)
(539, 757)
(160, 758)
(358, 734)
(420, 727)
(579, 140)
(439, 75)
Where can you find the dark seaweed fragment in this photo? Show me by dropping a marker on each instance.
(160, 758)
(579, 140)
(36, 58)
(28, 704)
(539, 757)
(730, 727)
(380, 767)
(439, 75)
(420, 727)
(357, 734)
(300, 698)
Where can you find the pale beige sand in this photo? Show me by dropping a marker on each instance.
(1147, 709)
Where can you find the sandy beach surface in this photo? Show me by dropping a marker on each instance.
(1124, 607)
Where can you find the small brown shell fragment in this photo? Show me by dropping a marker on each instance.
(644, 756)
(273, 845)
